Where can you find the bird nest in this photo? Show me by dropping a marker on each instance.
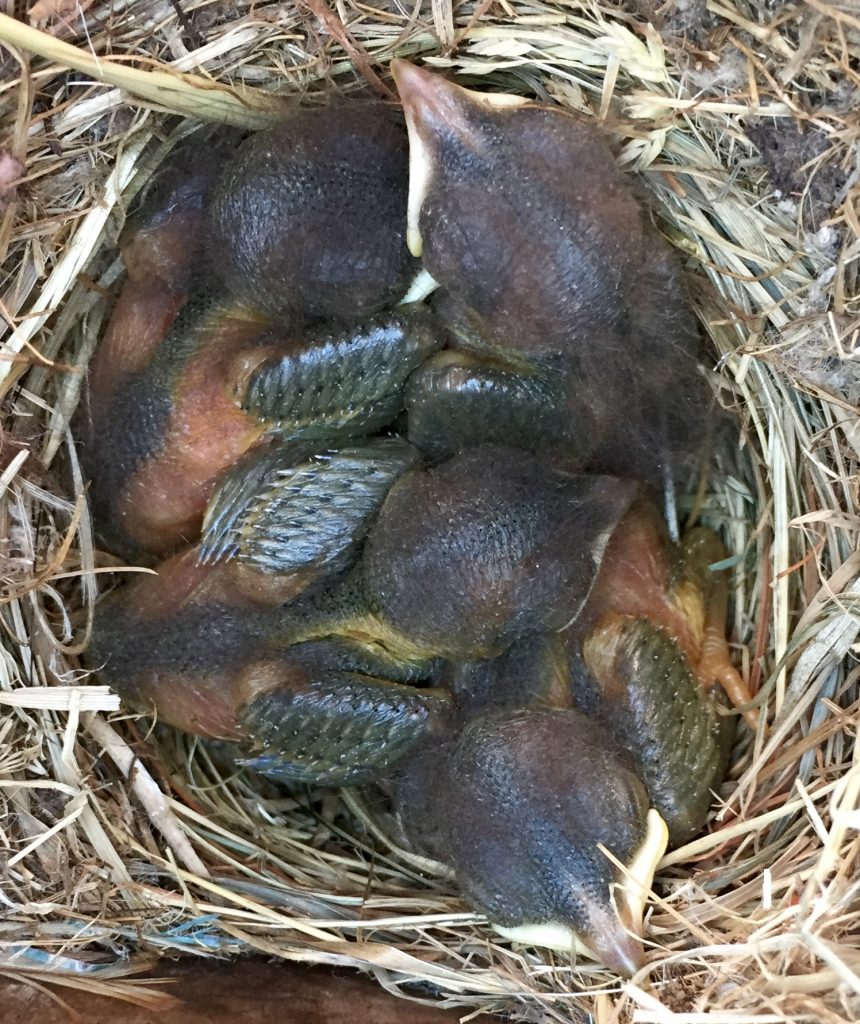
(122, 840)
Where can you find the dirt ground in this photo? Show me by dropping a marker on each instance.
(247, 992)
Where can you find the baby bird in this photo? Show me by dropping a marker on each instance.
(303, 221)
(222, 384)
(490, 546)
(202, 646)
(549, 267)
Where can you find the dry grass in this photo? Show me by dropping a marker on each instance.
(118, 845)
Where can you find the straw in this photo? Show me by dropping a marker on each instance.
(121, 841)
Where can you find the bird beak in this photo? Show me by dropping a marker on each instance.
(614, 947)
(631, 897)
(427, 105)
(613, 935)
(436, 110)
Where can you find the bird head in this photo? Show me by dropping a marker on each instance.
(525, 805)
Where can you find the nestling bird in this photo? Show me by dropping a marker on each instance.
(519, 803)
(304, 221)
(247, 637)
(223, 383)
(549, 266)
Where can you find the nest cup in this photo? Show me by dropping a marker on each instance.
(123, 841)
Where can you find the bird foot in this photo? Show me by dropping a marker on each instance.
(715, 666)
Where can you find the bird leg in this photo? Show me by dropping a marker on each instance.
(701, 549)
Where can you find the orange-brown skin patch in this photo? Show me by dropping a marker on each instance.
(141, 318)
(165, 253)
(265, 674)
(163, 610)
(200, 703)
(178, 581)
(203, 704)
(208, 431)
(635, 582)
(159, 262)
(270, 588)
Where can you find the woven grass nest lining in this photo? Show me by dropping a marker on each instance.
(120, 841)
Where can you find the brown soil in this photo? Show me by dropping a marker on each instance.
(244, 992)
